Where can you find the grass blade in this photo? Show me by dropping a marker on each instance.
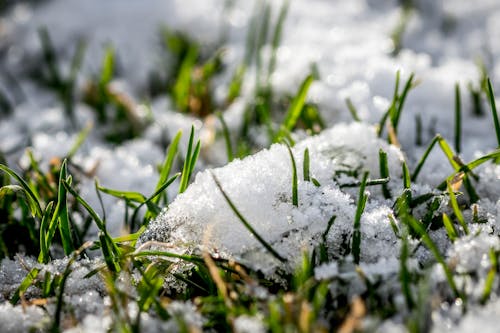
(189, 162)
(356, 235)
(458, 119)
(424, 158)
(247, 225)
(491, 96)
(352, 110)
(27, 281)
(167, 165)
(490, 278)
(295, 192)
(306, 165)
(295, 109)
(34, 203)
(456, 209)
(227, 137)
(404, 273)
(450, 228)
(384, 172)
(429, 243)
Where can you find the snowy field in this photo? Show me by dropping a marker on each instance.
(347, 175)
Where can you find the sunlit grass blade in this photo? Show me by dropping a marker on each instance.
(456, 210)
(31, 194)
(183, 82)
(247, 225)
(306, 166)
(406, 176)
(227, 137)
(62, 210)
(80, 139)
(384, 172)
(108, 66)
(429, 243)
(295, 186)
(276, 39)
(458, 119)
(404, 273)
(356, 235)
(448, 152)
(450, 228)
(396, 114)
(295, 109)
(352, 110)
(167, 164)
(490, 278)
(422, 160)
(494, 113)
(189, 162)
(27, 281)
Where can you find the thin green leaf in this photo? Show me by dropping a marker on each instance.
(356, 235)
(384, 172)
(295, 192)
(27, 281)
(494, 113)
(305, 166)
(31, 193)
(458, 119)
(450, 228)
(167, 164)
(456, 209)
(295, 109)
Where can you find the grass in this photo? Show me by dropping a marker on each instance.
(42, 205)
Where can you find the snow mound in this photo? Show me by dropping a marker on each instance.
(260, 186)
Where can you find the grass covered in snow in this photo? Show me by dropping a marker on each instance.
(289, 167)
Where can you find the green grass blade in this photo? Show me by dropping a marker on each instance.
(450, 228)
(80, 139)
(295, 109)
(167, 164)
(406, 176)
(456, 209)
(27, 281)
(458, 119)
(401, 101)
(43, 257)
(352, 110)
(494, 113)
(247, 225)
(154, 209)
(277, 37)
(429, 243)
(130, 196)
(189, 162)
(227, 137)
(100, 223)
(404, 273)
(421, 163)
(356, 235)
(108, 66)
(62, 212)
(306, 166)
(490, 278)
(182, 85)
(384, 172)
(448, 152)
(295, 192)
(34, 204)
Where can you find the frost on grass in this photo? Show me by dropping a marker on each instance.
(260, 186)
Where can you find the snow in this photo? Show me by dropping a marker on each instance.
(350, 44)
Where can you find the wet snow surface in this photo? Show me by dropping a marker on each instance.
(349, 41)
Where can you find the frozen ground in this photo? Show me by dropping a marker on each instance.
(349, 42)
